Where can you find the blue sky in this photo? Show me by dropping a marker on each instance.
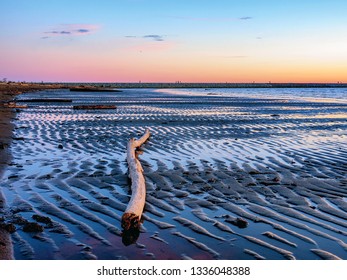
(129, 40)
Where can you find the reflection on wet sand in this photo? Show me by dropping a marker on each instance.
(213, 163)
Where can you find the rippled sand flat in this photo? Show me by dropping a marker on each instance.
(277, 164)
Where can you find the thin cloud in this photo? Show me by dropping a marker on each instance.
(152, 37)
(83, 30)
(147, 43)
(157, 38)
(71, 30)
(245, 18)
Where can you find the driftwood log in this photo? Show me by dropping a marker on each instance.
(133, 212)
(93, 107)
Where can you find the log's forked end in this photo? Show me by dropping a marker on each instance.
(130, 221)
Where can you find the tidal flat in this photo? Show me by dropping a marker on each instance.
(215, 157)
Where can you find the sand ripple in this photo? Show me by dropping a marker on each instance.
(227, 178)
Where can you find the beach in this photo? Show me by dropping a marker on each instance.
(229, 174)
(8, 92)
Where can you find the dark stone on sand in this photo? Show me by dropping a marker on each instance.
(9, 227)
(32, 227)
(239, 222)
(42, 219)
(19, 220)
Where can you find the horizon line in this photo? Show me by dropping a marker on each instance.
(158, 85)
(167, 82)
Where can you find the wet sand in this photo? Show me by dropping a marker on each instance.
(6, 117)
(8, 92)
(226, 177)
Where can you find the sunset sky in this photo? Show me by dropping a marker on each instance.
(168, 41)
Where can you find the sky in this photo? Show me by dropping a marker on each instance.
(170, 41)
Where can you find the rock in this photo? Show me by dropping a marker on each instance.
(19, 220)
(9, 227)
(42, 219)
(32, 227)
(239, 222)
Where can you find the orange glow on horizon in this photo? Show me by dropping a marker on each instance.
(129, 65)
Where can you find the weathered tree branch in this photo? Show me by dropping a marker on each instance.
(133, 212)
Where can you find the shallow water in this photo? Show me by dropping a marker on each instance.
(308, 94)
(278, 163)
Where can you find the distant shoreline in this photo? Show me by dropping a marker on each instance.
(226, 85)
(80, 85)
